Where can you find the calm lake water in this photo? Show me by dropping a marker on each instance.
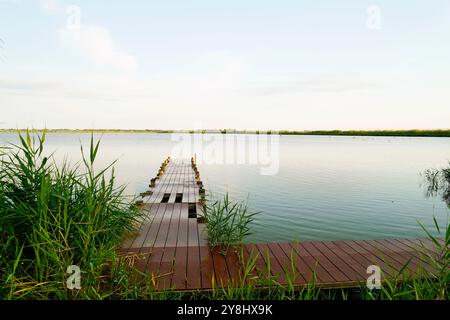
(327, 188)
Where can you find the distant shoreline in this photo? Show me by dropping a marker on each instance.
(379, 133)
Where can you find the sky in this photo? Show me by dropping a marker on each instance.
(243, 64)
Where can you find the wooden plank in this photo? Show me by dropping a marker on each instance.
(191, 194)
(305, 273)
(142, 255)
(220, 267)
(153, 264)
(422, 245)
(384, 253)
(173, 194)
(154, 228)
(197, 194)
(337, 275)
(202, 234)
(234, 266)
(206, 267)
(286, 265)
(322, 275)
(275, 267)
(193, 266)
(183, 226)
(165, 224)
(401, 256)
(193, 276)
(193, 232)
(367, 253)
(360, 266)
(180, 268)
(351, 269)
(186, 194)
(141, 233)
(180, 181)
(167, 268)
(358, 255)
(172, 236)
(421, 262)
(284, 260)
(142, 237)
(251, 251)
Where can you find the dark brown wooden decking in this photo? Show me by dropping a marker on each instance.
(172, 247)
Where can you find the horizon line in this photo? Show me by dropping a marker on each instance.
(334, 132)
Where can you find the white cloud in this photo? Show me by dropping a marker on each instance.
(97, 44)
(94, 42)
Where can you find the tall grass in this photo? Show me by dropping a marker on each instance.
(432, 283)
(55, 215)
(227, 222)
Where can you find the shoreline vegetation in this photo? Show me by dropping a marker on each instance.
(368, 133)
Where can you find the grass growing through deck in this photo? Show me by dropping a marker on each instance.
(227, 222)
(256, 284)
(425, 284)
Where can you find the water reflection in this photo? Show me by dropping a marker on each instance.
(437, 183)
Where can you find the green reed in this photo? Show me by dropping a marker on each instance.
(432, 283)
(227, 222)
(55, 215)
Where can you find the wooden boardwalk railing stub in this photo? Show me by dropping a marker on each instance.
(174, 248)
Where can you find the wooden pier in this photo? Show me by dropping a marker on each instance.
(171, 245)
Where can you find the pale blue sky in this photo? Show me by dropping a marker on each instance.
(243, 64)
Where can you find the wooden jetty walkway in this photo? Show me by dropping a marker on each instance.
(171, 245)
